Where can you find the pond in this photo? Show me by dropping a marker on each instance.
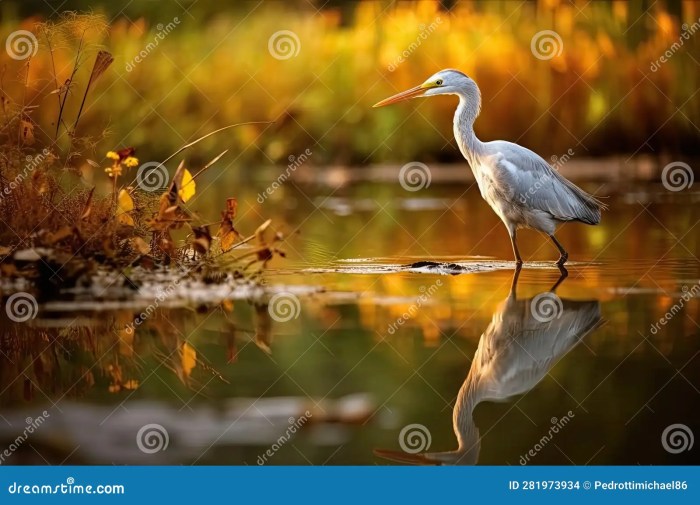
(393, 332)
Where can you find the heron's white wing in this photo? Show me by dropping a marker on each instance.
(525, 179)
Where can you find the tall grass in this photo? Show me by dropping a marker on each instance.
(62, 223)
(599, 96)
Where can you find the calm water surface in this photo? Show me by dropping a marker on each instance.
(381, 363)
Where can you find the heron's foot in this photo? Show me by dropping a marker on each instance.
(562, 259)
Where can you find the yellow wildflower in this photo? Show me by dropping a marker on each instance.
(114, 171)
(112, 155)
(131, 162)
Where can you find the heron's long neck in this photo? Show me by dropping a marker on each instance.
(465, 115)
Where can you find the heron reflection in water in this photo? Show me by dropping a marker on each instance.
(519, 347)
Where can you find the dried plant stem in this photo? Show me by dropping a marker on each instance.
(53, 70)
(209, 135)
(24, 99)
(186, 146)
(76, 65)
(102, 62)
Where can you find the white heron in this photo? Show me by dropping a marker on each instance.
(520, 186)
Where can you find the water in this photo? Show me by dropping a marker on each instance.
(383, 349)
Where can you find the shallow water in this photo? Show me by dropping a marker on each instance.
(389, 331)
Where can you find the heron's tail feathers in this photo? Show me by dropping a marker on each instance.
(589, 207)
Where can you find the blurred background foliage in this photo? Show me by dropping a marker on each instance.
(598, 97)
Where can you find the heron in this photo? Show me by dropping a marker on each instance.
(521, 187)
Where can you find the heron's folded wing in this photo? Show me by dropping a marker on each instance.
(532, 182)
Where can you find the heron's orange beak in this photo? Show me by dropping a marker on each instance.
(404, 95)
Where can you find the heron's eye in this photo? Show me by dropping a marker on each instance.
(439, 82)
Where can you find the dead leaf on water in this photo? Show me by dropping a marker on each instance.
(189, 359)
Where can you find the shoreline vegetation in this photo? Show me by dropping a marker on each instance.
(604, 90)
(78, 115)
(56, 231)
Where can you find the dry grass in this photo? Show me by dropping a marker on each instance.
(49, 214)
(599, 89)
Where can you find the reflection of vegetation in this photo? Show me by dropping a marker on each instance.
(69, 358)
(216, 69)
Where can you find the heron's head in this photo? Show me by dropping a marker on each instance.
(445, 82)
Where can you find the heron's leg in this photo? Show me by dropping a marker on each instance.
(518, 259)
(563, 254)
